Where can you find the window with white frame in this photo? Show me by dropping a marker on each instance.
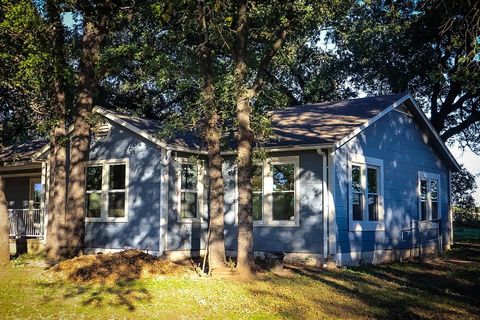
(366, 201)
(276, 192)
(190, 190)
(429, 190)
(106, 190)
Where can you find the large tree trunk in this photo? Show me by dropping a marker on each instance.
(56, 237)
(56, 246)
(4, 228)
(216, 243)
(93, 35)
(216, 240)
(245, 258)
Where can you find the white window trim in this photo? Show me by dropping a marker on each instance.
(105, 164)
(267, 205)
(366, 225)
(200, 190)
(31, 183)
(429, 176)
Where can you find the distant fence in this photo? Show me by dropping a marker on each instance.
(27, 222)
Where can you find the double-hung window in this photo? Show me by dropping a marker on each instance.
(106, 190)
(276, 192)
(190, 190)
(366, 201)
(429, 190)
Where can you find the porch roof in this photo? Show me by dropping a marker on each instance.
(21, 152)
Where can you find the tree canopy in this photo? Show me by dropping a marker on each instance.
(430, 49)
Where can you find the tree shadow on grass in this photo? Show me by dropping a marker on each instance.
(410, 290)
(122, 294)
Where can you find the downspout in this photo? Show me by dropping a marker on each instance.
(325, 208)
(164, 183)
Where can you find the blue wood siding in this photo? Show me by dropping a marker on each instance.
(405, 150)
(308, 237)
(143, 227)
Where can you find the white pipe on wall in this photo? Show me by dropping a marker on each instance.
(325, 208)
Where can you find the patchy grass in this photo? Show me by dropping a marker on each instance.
(439, 289)
(468, 235)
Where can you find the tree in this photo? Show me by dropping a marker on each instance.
(212, 136)
(428, 48)
(96, 17)
(463, 188)
(4, 228)
(56, 233)
(35, 77)
(265, 35)
(174, 79)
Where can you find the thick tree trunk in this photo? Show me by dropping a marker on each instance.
(75, 222)
(93, 35)
(216, 240)
(4, 228)
(56, 237)
(216, 243)
(56, 247)
(245, 258)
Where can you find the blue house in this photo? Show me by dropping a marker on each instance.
(354, 181)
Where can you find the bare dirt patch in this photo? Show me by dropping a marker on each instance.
(117, 267)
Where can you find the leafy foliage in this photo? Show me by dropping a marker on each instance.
(463, 188)
(428, 48)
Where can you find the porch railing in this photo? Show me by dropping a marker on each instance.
(27, 222)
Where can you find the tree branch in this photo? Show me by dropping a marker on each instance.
(262, 68)
(471, 119)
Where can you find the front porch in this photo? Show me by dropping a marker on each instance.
(27, 223)
(24, 181)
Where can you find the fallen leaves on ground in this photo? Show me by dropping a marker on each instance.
(116, 267)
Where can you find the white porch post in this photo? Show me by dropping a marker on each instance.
(45, 180)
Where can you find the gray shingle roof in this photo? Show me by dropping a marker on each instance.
(326, 122)
(21, 151)
(318, 123)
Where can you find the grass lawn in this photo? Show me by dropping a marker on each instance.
(464, 234)
(443, 288)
